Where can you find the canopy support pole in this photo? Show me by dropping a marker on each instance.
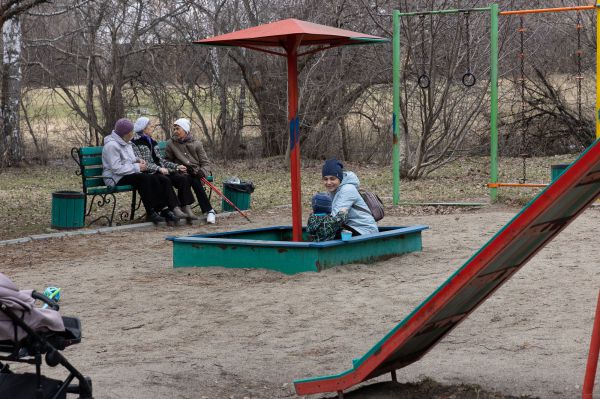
(292, 65)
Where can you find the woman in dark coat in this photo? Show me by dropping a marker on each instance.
(184, 149)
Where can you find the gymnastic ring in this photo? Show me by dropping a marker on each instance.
(469, 79)
(424, 81)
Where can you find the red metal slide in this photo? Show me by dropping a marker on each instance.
(501, 257)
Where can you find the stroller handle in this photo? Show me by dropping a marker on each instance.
(50, 302)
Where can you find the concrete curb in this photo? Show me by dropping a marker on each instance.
(82, 232)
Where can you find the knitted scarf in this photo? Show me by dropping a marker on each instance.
(186, 139)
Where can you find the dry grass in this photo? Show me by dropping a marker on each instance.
(25, 194)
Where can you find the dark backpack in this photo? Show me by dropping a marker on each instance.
(374, 203)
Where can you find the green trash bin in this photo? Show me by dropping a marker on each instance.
(67, 209)
(556, 170)
(238, 193)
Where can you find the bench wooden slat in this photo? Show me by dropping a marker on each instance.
(108, 190)
(99, 183)
(91, 161)
(92, 172)
(85, 151)
(94, 182)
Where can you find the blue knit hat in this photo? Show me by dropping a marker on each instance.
(333, 167)
(321, 203)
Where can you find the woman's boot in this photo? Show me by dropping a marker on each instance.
(179, 213)
(189, 214)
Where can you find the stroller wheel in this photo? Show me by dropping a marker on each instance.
(83, 388)
(53, 358)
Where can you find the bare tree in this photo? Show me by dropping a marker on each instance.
(102, 49)
(125, 57)
(12, 8)
(439, 107)
(11, 145)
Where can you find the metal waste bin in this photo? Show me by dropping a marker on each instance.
(238, 193)
(67, 210)
(557, 170)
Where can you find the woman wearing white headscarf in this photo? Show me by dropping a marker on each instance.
(182, 148)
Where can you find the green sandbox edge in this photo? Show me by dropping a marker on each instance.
(271, 248)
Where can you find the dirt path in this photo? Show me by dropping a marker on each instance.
(152, 331)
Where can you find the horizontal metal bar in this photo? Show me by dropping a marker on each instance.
(457, 11)
(530, 185)
(467, 204)
(542, 10)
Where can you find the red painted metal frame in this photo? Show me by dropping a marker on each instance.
(220, 194)
(528, 185)
(292, 64)
(528, 226)
(592, 363)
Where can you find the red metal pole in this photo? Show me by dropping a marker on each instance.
(592, 363)
(216, 190)
(292, 64)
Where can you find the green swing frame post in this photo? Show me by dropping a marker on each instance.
(494, 18)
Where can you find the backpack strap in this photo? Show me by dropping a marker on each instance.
(360, 208)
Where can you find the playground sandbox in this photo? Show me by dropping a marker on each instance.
(272, 248)
(154, 331)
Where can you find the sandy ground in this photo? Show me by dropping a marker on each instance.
(154, 332)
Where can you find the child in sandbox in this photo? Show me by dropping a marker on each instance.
(321, 225)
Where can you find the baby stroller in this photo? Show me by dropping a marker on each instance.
(26, 333)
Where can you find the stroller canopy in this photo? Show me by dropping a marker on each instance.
(23, 304)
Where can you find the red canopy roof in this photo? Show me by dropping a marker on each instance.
(276, 34)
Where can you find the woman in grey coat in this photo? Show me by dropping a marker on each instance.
(343, 187)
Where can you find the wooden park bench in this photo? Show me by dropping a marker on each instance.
(89, 160)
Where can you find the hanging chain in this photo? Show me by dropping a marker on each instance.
(423, 80)
(579, 76)
(522, 58)
(422, 21)
(468, 78)
(468, 42)
(524, 144)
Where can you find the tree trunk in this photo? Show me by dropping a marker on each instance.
(271, 116)
(344, 137)
(240, 116)
(116, 104)
(11, 92)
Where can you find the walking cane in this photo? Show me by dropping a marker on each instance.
(203, 179)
